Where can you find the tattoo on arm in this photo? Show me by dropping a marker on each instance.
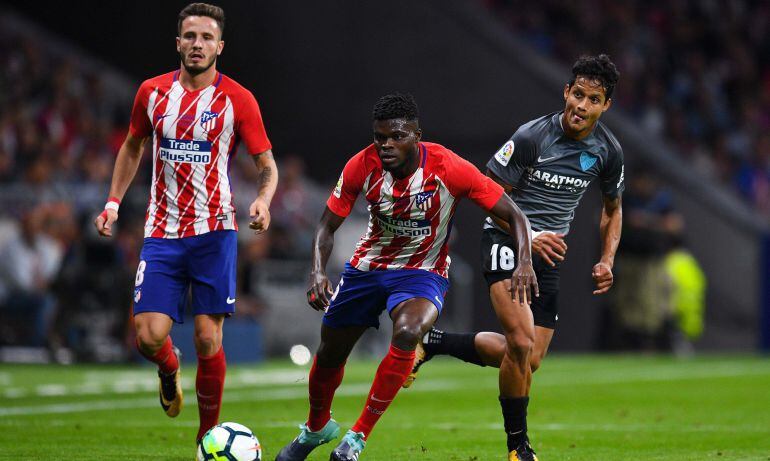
(265, 175)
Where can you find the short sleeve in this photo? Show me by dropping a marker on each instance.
(612, 176)
(466, 180)
(514, 158)
(351, 181)
(141, 126)
(251, 129)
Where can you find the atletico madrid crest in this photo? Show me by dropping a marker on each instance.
(209, 120)
(424, 199)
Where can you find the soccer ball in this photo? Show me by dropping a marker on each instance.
(229, 442)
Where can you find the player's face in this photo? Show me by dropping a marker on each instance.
(396, 143)
(586, 101)
(199, 43)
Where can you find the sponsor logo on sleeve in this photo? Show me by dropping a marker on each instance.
(338, 187)
(503, 156)
(185, 151)
(622, 176)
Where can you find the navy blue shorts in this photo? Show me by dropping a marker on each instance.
(361, 296)
(169, 267)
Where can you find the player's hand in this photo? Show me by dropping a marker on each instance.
(602, 274)
(551, 247)
(104, 222)
(320, 292)
(524, 283)
(260, 216)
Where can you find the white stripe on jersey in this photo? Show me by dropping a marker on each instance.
(415, 186)
(152, 209)
(385, 198)
(445, 216)
(168, 127)
(223, 159)
(198, 171)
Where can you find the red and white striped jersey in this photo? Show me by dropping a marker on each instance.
(410, 219)
(194, 136)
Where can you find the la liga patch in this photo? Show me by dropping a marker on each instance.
(503, 156)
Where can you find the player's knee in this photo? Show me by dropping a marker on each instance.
(328, 356)
(406, 336)
(207, 342)
(519, 345)
(149, 339)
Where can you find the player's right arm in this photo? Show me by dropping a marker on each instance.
(126, 165)
(320, 292)
(338, 207)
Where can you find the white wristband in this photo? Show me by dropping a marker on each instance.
(111, 206)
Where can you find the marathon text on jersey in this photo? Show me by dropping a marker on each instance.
(557, 181)
(185, 151)
(405, 227)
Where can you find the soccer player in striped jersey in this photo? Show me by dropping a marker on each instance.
(400, 264)
(194, 117)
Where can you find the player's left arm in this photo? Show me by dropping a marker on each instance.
(268, 181)
(609, 229)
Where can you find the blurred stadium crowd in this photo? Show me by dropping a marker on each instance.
(690, 73)
(696, 73)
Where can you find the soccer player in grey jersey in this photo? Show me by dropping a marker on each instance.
(546, 166)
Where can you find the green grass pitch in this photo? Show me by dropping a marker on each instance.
(583, 408)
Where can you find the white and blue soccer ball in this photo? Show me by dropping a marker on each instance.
(229, 442)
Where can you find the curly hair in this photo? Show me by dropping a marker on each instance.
(599, 68)
(395, 105)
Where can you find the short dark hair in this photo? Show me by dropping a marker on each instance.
(597, 68)
(395, 105)
(202, 9)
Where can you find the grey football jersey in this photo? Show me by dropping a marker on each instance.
(549, 172)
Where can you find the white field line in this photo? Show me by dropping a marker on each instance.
(237, 396)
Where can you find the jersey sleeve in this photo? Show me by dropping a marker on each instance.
(612, 176)
(514, 158)
(250, 126)
(466, 180)
(141, 126)
(351, 182)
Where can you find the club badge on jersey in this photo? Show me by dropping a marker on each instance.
(209, 120)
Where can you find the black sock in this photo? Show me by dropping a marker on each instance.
(460, 345)
(515, 419)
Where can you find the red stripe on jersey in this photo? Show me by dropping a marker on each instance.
(433, 214)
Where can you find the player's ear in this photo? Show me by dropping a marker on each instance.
(566, 91)
(607, 105)
(178, 41)
(220, 47)
(418, 134)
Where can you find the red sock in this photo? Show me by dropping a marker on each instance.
(164, 358)
(323, 383)
(391, 374)
(209, 383)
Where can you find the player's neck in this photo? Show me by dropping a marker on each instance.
(409, 168)
(196, 82)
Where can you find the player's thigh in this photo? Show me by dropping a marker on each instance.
(415, 295)
(515, 317)
(545, 307)
(161, 279)
(212, 265)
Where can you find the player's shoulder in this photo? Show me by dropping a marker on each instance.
(438, 152)
(365, 160)
(534, 130)
(159, 81)
(230, 85)
(605, 135)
